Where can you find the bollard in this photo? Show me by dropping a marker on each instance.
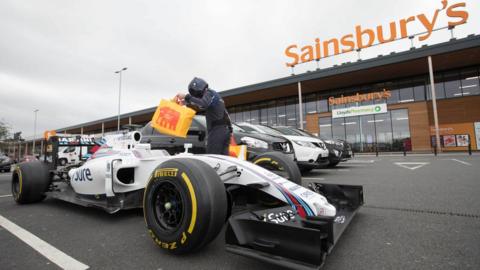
(376, 150)
(435, 150)
(469, 149)
(404, 151)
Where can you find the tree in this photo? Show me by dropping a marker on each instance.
(4, 130)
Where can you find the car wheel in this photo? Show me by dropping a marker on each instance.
(30, 181)
(333, 164)
(185, 205)
(279, 164)
(62, 162)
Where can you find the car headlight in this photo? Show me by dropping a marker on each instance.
(336, 152)
(330, 142)
(305, 144)
(254, 143)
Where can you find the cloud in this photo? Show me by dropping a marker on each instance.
(60, 55)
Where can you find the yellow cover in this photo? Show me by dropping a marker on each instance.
(172, 119)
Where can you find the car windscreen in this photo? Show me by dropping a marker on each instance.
(248, 129)
(304, 133)
(237, 128)
(288, 131)
(269, 130)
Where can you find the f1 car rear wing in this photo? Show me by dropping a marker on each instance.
(53, 144)
(281, 237)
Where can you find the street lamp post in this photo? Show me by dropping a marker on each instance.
(34, 131)
(119, 72)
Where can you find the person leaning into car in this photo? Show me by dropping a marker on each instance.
(203, 99)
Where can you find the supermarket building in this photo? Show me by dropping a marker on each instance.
(380, 104)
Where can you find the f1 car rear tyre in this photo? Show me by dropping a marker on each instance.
(30, 181)
(333, 164)
(279, 164)
(185, 205)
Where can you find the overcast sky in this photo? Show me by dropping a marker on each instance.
(59, 56)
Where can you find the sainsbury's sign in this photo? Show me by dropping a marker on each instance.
(366, 37)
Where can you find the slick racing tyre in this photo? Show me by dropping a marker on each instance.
(185, 205)
(30, 181)
(279, 164)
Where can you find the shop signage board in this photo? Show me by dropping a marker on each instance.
(359, 110)
(477, 134)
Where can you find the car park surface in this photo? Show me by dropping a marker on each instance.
(420, 212)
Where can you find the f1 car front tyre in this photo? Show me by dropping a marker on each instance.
(279, 164)
(185, 205)
(30, 181)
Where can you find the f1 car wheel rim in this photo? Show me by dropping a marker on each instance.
(169, 207)
(15, 185)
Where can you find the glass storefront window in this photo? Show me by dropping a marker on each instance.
(325, 124)
(383, 128)
(322, 105)
(352, 130)
(419, 92)
(263, 114)
(254, 114)
(439, 90)
(272, 113)
(452, 85)
(367, 133)
(406, 95)
(310, 104)
(281, 113)
(401, 130)
(394, 98)
(246, 113)
(470, 82)
(338, 128)
(291, 113)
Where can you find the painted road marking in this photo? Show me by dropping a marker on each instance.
(460, 161)
(411, 165)
(360, 161)
(56, 256)
(4, 196)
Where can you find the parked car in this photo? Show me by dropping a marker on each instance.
(256, 143)
(310, 152)
(5, 163)
(339, 150)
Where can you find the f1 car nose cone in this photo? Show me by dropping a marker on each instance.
(168, 205)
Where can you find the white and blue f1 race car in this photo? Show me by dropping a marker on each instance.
(187, 199)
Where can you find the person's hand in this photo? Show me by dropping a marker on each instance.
(179, 99)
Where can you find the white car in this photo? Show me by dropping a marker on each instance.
(187, 199)
(310, 152)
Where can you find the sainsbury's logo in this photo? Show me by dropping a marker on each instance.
(366, 37)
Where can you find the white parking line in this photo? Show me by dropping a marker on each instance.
(56, 256)
(359, 161)
(4, 196)
(463, 162)
(411, 165)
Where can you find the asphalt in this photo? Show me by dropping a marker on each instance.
(426, 218)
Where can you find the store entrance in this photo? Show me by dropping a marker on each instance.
(386, 132)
